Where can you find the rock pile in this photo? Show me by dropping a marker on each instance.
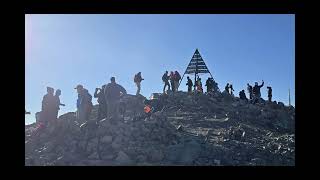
(206, 129)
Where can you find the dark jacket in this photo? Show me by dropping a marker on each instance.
(189, 83)
(113, 92)
(100, 96)
(137, 78)
(165, 77)
(84, 99)
(48, 102)
(256, 89)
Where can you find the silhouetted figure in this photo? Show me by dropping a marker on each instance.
(231, 89)
(177, 78)
(102, 110)
(269, 93)
(57, 103)
(84, 104)
(226, 88)
(189, 84)
(242, 95)
(172, 80)
(27, 112)
(209, 84)
(165, 79)
(250, 91)
(214, 84)
(137, 80)
(113, 92)
(48, 106)
(256, 91)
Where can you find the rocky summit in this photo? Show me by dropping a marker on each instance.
(214, 129)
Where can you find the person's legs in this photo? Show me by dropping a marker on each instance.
(139, 87)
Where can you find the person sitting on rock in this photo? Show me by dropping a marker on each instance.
(242, 95)
(84, 104)
(189, 84)
(113, 93)
(165, 79)
(102, 108)
(137, 81)
(269, 93)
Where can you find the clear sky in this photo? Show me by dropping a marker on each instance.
(62, 51)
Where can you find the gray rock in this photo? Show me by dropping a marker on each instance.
(106, 139)
(123, 159)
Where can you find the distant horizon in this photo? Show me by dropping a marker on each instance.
(65, 50)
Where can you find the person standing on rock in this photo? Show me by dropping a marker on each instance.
(209, 85)
(231, 89)
(256, 91)
(84, 104)
(113, 92)
(165, 79)
(172, 80)
(269, 93)
(177, 78)
(137, 80)
(199, 85)
(250, 91)
(189, 84)
(48, 106)
(102, 108)
(227, 88)
(242, 95)
(57, 103)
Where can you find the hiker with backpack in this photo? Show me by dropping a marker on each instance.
(165, 79)
(102, 109)
(137, 80)
(113, 92)
(84, 104)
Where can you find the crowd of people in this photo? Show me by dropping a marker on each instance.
(109, 95)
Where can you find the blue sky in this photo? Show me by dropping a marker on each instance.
(62, 51)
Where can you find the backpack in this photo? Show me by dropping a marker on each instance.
(164, 77)
(135, 79)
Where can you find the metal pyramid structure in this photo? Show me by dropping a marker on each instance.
(196, 66)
